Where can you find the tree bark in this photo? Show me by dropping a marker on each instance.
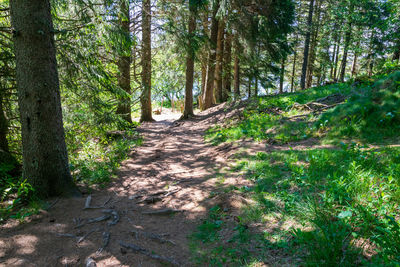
(208, 100)
(307, 46)
(219, 59)
(45, 159)
(145, 99)
(124, 64)
(227, 66)
(188, 112)
(336, 60)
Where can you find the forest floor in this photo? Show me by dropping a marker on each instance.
(174, 173)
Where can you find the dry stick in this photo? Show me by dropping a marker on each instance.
(87, 234)
(66, 235)
(87, 203)
(148, 253)
(90, 263)
(108, 200)
(162, 212)
(94, 220)
(153, 236)
(114, 214)
(106, 240)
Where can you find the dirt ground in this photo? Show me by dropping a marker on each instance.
(174, 170)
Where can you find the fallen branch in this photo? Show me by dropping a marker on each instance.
(90, 263)
(153, 236)
(87, 234)
(162, 212)
(89, 200)
(114, 214)
(106, 240)
(148, 253)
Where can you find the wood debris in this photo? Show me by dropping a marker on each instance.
(161, 212)
(156, 237)
(148, 253)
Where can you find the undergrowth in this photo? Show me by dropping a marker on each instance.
(93, 162)
(329, 206)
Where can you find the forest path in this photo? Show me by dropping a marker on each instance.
(173, 172)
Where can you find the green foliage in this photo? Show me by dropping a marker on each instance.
(15, 194)
(97, 160)
(372, 112)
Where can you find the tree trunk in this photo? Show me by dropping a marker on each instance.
(249, 88)
(307, 46)
(346, 43)
(188, 112)
(227, 76)
(237, 76)
(313, 48)
(219, 58)
(354, 65)
(256, 87)
(336, 60)
(145, 99)
(3, 126)
(124, 64)
(396, 54)
(208, 100)
(293, 70)
(282, 76)
(45, 159)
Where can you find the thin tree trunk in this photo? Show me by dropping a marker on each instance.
(354, 65)
(256, 87)
(218, 68)
(45, 159)
(336, 60)
(208, 100)
(307, 46)
(227, 66)
(314, 43)
(249, 88)
(293, 70)
(3, 126)
(188, 112)
(124, 64)
(145, 99)
(237, 74)
(346, 43)
(282, 76)
(332, 63)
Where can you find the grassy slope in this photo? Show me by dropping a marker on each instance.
(317, 207)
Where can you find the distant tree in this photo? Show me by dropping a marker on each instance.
(145, 98)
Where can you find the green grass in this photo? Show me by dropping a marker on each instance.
(334, 206)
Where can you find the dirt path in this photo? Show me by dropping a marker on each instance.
(174, 160)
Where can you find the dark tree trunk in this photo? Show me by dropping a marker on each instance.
(313, 48)
(3, 126)
(45, 159)
(346, 44)
(208, 100)
(293, 70)
(145, 98)
(307, 46)
(396, 54)
(336, 60)
(124, 65)
(227, 66)
(188, 112)
(249, 88)
(256, 87)
(282, 76)
(237, 77)
(219, 59)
